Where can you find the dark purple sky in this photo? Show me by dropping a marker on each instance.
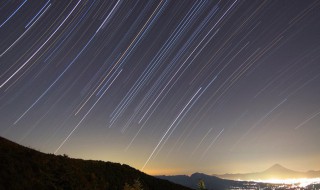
(164, 86)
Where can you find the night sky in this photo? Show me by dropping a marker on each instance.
(168, 87)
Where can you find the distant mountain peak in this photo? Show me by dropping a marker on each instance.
(277, 165)
(276, 171)
(277, 168)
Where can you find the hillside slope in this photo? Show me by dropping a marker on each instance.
(25, 168)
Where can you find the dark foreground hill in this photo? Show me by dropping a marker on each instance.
(25, 168)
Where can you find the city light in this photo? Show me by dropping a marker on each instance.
(301, 182)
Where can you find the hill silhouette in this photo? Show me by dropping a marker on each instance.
(25, 168)
(231, 181)
(274, 172)
(211, 182)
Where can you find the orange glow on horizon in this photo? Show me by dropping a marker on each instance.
(167, 171)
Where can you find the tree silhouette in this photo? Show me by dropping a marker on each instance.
(136, 186)
(201, 185)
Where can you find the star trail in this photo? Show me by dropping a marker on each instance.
(168, 87)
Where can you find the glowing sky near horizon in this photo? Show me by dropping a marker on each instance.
(168, 87)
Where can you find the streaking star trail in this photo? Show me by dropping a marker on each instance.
(164, 85)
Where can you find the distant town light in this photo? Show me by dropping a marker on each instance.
(302, 182)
